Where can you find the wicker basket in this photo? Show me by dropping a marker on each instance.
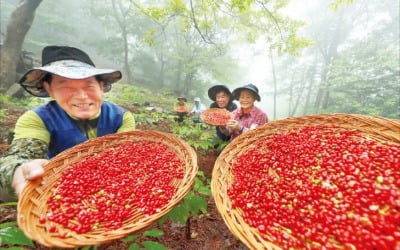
(32, 203)
(378, 128)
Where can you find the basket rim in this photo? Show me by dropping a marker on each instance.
(28, 212)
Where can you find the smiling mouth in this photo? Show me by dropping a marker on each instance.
(83, 105)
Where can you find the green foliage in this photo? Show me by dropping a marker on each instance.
(21, 103)
(11, 235)
(337, 3)
(139, 241)
(177, 7)
(241, 5)
(125, 94)
(156, 13)
(364, 80)
(194, 203)
(197, 135)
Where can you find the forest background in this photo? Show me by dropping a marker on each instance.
(305, 56)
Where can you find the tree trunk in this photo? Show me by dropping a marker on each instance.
(311, 80)
(291, 96)
(330, 53)
(120, 15)
(274, 78)
(18, 26)
(299, 96)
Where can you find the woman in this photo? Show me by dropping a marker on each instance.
(248, 116)
(181, 110)
(222, 97)
(76, 113)
(197, 110)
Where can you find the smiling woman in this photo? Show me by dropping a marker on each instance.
(76, 114)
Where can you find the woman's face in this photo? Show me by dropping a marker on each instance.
(222, 99)
(80, 98)
(246, 100)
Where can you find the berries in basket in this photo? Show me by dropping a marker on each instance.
(313, 182)
(107, 188)
(216, 116)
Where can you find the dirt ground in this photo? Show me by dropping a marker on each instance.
(205, 233)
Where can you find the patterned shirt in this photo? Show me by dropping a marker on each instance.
(248, 121)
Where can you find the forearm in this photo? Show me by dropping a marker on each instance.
(19, 152)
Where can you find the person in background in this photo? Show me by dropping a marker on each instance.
(181, 110)
(248, 116)
(222, 97)
(76, 113)
(197, 110)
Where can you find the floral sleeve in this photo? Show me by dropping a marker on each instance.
(20, 151)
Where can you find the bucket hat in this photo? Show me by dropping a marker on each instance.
(67, 62)
(251, 87)
(212, 92)
(181, 98)
(197, 99)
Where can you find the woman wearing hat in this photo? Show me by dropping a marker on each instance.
(248, 116)
(181, 110)
(75, 114)
(222, 97)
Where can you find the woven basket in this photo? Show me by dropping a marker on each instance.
(377, 128)
(32, 203)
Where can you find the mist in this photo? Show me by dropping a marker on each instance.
(326, 59)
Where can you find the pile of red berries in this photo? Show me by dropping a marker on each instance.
(104, 190)
(216, 116)
(320, 187)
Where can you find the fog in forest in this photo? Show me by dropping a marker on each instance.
(313, 56)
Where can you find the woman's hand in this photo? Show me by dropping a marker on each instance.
(30, 170)
(233, 124)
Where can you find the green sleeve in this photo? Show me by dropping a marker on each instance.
(128, 123)
(29, 125)
(20, 151)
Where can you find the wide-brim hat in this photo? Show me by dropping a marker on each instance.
(181, 98)
(212, 92)
(251, 87)
(67, 62)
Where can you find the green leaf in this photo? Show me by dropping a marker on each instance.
(179, 214)
(204, 190)
(130, 238)
(11, 248)
(152, 245)
(197, 203)
(8, 224)
(14, 236)
(197, 184)
(134, 246)
(153, 233)
(162, 220)
(12, 203)
(201, 175)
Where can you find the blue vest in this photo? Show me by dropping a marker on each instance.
(65, 134)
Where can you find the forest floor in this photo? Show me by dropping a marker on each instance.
(201, 233)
